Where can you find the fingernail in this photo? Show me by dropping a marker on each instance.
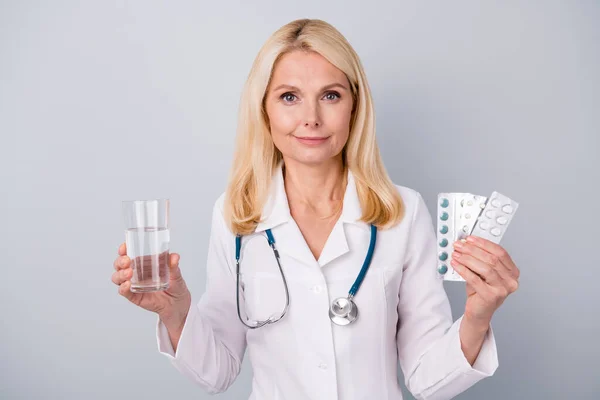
(455, 255)
(458, 244)
(471, 239)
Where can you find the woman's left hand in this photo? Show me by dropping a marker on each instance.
(490, 274)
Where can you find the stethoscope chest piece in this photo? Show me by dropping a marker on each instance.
(343, 311)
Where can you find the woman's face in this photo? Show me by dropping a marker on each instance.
(309, 104)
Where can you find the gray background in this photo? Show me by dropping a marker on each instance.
(105, 101)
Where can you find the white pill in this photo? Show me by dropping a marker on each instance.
(465, 229)
(467, 216)
(484, 225)
(507, 209)
(502, 220)
(482, 206)
(489, 214)
(496, 203)
(495, 231)
(469, 203)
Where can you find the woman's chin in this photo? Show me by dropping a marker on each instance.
(314, 158)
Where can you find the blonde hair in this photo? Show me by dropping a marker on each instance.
(256, 157)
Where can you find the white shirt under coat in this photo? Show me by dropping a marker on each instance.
(404, 312)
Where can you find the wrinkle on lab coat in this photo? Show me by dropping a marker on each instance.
(404, 312)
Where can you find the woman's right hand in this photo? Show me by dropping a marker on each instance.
(171, 304)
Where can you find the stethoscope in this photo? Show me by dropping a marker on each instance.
(342, 311)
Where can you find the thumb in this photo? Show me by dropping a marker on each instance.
(174, 270)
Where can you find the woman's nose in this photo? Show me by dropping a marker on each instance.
(311, 116)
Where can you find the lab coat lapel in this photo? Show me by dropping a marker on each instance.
(335, 246)
(337, 242)
(277, 217)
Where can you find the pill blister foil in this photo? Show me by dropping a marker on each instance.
(462, 214)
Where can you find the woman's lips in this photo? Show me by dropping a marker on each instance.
(311, 141)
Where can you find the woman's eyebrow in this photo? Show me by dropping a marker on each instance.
(326, 87)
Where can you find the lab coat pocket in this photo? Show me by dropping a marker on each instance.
(265, 296)
(263, 286)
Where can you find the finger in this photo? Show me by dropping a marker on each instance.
(496, 250)
(476, 251)
(120, 276)
(471, 278)
(122, 262)
(484, 270)
(491, 294)
(483, 255)
(174, 270)
(124, 290)
(122, 249)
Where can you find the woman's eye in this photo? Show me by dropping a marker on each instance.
(332, 96)
(288, 97)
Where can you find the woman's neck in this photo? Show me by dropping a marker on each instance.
(316, 188)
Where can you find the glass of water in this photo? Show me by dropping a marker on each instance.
(147, 239)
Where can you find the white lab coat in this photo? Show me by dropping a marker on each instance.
(404, 312)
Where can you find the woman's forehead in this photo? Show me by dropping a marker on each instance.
(301, 68)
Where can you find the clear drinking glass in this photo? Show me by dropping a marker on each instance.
(147, 239)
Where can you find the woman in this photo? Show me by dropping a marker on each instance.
(307, 172)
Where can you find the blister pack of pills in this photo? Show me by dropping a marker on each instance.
(464, 214)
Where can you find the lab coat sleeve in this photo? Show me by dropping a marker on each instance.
(429, 348)
(213, 341)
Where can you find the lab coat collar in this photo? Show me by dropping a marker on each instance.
(277, 212)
